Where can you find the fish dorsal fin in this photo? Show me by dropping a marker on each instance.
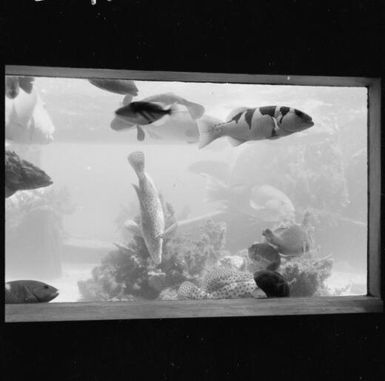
(235, 142)
(140, 135)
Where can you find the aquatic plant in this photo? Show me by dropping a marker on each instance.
(128, 272)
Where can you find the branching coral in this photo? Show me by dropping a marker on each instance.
(128, 272)
(306, 275)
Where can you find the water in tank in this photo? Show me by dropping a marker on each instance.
(126, 190)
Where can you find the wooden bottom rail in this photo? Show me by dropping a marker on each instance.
(191, 308)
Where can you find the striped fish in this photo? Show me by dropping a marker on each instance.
(245, 124)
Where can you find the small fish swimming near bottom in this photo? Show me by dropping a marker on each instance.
(272, 283)
(222, 283)
(29, 291)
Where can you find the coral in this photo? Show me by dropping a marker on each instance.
(128, 271)
(306, 274)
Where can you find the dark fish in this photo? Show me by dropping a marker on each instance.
(29, 291)
(117, 86)
(291, 239)
(266, 255)
(142, 113)
(194, 109)
(13, 85)
(259, 123)
(272, 283)
(22, 175)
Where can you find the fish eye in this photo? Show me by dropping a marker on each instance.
(46, 287)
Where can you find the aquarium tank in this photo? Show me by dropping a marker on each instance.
(127, 190)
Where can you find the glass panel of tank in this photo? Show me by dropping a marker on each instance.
(142, 190)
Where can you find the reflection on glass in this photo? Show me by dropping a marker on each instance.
(143, 190)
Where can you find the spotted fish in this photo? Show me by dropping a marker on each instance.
(152, 220)
(245, 124)
(221, 283)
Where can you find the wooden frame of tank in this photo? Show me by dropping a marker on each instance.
(371, 303)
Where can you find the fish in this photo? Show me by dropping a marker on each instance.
(13, 84)
(271, 204)
(188, 290)
(195, 110)
(117, 86)
(29, 291)
(135, 229)
(142, 113)
(152, 120)
(264, 256)
(27, 120)
(290, 238)
(19, 110)
(262, 201)
(259, 123)
(22, 175)
(220, 283)
(173, 130)
(152, 219)
(272, 283)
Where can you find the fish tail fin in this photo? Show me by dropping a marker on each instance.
(136, 159)
(207, 131)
